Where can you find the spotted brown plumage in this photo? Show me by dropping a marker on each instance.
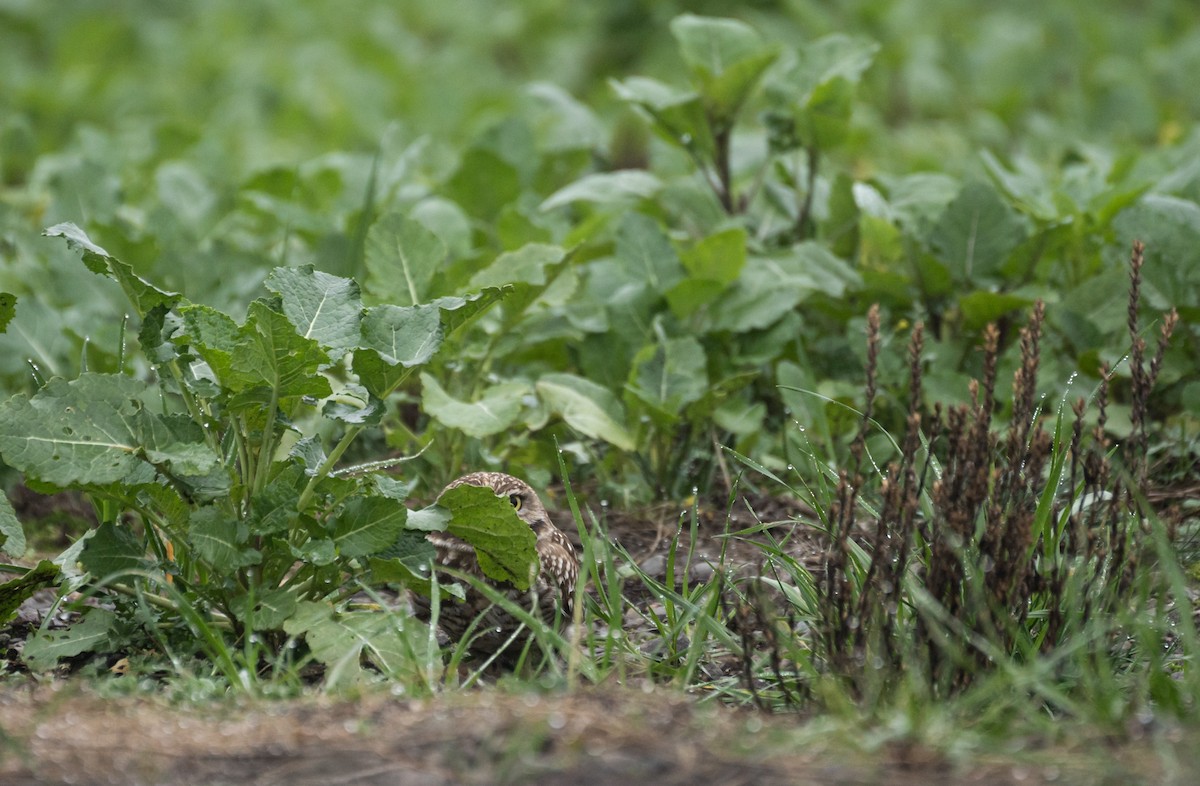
(553, 588)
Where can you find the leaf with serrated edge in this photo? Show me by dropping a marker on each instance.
(85, 431)
(504, 544)
(402, 256)
(368, 525)
(141, 293)
(43, 649)
(324, 308)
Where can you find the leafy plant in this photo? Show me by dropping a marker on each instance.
(220, 508)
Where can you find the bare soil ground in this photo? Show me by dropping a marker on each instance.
(606, 734)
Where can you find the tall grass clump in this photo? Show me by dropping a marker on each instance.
(1012, 565)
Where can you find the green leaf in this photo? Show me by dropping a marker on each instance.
(678, 116)
(670, 374)
(606, 188)
(646, 254)
(367, 525)
(504, 544)
(355, 406)
(429, 519)
(402, 257)
(406, 562)
(726, 58)
(395, 339)
(459, 312)
(271, 354)
(8, 309)
(526, 265)
(16, 591)
(12, 537)
(271, 609)
(712, 265)
(496, 410)
(587, 407)
(215, 536)
(45, 647)
(818, 86)
(484, 183)
(141, 293)
(770, 287)
(834, 57)
(976, 233)
(321, 307)
(112, 551)
(93, 430)
(397, 645)
(979, 308)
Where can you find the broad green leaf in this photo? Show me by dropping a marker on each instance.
(484, 183)
(316, 551)
(8, 309)
(587, 407)
(407, 561)
(215, 536)
(560, 122)
(324, 308)
(834, 57)
(271, 609)
(274, 508)
(526, 265)
(397, 645)
(141, 293)
(271, 353)
(113, 550)
(45, 647)
(213, 336)
(678, 116)
(176, 444)
(386, 486)
(646, 254)
(1026, 185)
(770, 287)
(395, 339)
(16, 591)
(718, 257)
(979, 308)
(976, 233)
(86, 431)
(459, 312)
(496, 410)
(726, 58)
(606, 188)
(367, 525)
(818, 86)
(1170, 228)
(402, 257)
(12, 537)
(504, 544)
(712, 264)
(670, 374)
(428, 519)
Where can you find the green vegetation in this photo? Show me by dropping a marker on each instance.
(268, 273)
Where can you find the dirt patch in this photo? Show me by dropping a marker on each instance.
(602, 735)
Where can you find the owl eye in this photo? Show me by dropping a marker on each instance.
(516, 500)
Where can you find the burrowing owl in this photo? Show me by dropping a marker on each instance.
(553, 588)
